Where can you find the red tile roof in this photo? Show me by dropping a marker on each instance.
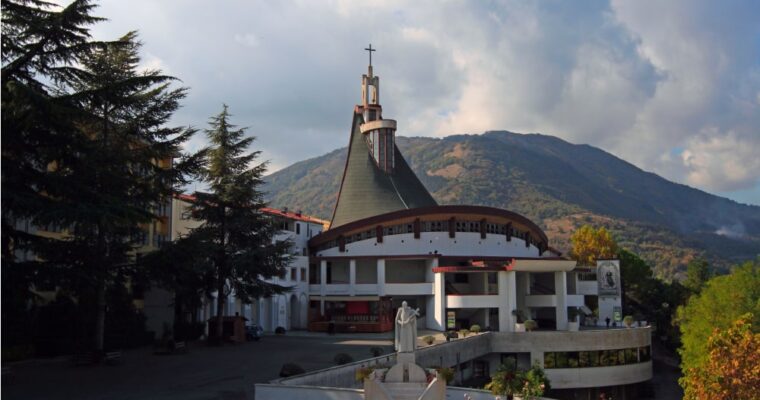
(269, 210)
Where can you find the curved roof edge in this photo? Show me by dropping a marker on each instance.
(336, 232)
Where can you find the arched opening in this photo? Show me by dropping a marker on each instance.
(295, 314)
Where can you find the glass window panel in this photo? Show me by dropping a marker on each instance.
(572, 360)
(561, 359)
(549, 360)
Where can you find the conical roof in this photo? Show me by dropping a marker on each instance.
(366, 190)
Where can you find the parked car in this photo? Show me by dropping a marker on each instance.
(253, 332)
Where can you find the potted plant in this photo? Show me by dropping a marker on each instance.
(363, 373)
(464, 332)
(572, 323)
(506, 381)
(475, 329)
(519, 320)
(534, 383)
(628, 320)
(531, 325)
(429, 340)
(445, 373)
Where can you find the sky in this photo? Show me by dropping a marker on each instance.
(672, 87)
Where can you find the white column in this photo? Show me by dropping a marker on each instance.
(560, 291)
(522, 289)
(381, 277)
(322, 277)
(351, 277)
(322, 283)
(436, 311)
(507, 300)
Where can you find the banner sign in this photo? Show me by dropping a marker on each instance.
(451, 320)
(608, 278)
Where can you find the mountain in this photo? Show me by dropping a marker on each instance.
(560, 186)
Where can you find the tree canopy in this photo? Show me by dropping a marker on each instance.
(731, 369)
(723, 301)
(88, 154)
(235, 238)
(591, 244)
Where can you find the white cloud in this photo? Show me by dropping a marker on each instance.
(247, 39)
(721, 161)
(652, 82)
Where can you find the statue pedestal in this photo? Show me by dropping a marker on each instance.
(405, 381)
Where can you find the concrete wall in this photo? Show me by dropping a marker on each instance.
(464, 244)
(569, 378)
(266, 391)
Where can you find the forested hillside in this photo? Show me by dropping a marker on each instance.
(560, 186)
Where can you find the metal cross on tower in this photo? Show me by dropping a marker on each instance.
(370, 50)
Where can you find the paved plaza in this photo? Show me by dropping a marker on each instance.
(227, 372)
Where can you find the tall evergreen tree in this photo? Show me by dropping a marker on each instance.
(123, 172)
(40, 46)
(236, 237)
(89, 151)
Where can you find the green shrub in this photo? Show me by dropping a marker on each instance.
(475, 328)
(531, 325)
(342, 358)
(628, 320)
(464, 332)
(363, 373)
(429, 340)
(290, 369)
(279, 330)
(445, 373)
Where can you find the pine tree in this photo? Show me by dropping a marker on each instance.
(123, 172)
(40, 46)
(89, 151)
(236, 237)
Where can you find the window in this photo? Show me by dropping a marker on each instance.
(293, 273)
(461, 278)
(298, 228)
(303, 251)
(303, 274)
(644, 354)
(594, 358)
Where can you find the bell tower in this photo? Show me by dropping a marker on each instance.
(378, 133)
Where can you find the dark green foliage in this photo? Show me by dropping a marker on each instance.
(291, 369)
(558, 185)
(233, 248)
(376, 351)
(81, 155)
(342, 358)
(697, 274)
(39, 46)
(650, 298)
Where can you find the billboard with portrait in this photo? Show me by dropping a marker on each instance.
(608, 278)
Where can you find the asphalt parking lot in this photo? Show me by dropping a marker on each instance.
(227, 372)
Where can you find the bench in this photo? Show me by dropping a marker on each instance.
(7, 375)
(83, 359)
(112, 357)
(180, 346)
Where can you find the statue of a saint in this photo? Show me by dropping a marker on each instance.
(406, 328)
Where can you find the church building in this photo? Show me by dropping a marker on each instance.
(461, 265)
